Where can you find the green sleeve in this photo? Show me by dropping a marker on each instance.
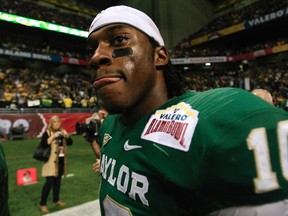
(4, 208)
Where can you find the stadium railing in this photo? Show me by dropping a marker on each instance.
(46, 110)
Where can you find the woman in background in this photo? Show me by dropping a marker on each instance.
(54, 168)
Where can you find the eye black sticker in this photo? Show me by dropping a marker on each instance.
(122, 52)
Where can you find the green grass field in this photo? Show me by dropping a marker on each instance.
(75, 190)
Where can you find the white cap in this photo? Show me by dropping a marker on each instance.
(130, 16)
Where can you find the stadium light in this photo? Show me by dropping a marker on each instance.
(42, 24)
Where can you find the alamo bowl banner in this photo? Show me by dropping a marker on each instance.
(36, 124)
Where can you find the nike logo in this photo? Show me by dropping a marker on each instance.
(128, 147)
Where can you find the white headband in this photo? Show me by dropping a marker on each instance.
(130, 16)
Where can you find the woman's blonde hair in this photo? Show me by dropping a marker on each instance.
(53, 120)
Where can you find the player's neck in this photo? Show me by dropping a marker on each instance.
(131, 116)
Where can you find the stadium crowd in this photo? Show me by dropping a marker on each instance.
(44, 89)
(249, 12)
(18, 87)
(182, 49)
(270, 76)
(234, 49)
(52, 14)
(40, 47)
(50, 88)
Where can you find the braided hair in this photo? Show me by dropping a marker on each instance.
(173, 78)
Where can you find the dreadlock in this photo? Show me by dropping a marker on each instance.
(173, 78)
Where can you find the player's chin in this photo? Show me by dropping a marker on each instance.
(113, 101)
(115, 106)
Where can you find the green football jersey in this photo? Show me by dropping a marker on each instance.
(198, 153)
(4, 208)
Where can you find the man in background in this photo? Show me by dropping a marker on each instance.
(93, 139)
(264, 94)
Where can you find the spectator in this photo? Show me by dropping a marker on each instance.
(68, 103)
(55, 167)
(264, 94)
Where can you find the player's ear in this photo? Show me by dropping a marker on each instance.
(161, 56)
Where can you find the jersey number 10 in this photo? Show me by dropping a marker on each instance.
(266, 179)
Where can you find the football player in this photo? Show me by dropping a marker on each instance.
(167, 151)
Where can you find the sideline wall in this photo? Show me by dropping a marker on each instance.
(35, 124)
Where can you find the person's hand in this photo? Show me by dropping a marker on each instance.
(56, 135)
(65, 134)
(96, 166)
